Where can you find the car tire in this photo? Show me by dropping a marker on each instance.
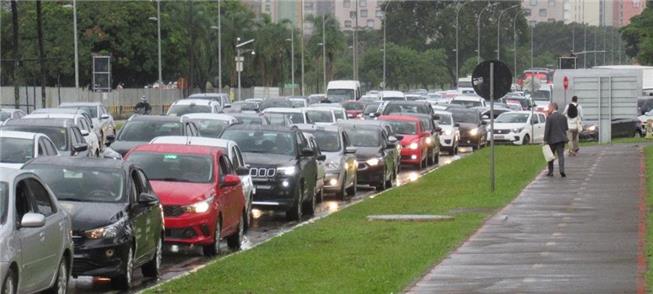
(63, 276)
(309, 207)
(294, 213)
(436, 161)
(342, 192)
(381, 185)
(9, 284)
(388, 183)
(124, 281)
(213, 249)
(354, 188)
(152, 269)
(526, 140)
(236, 240)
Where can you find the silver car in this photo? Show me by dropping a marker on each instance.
(35, 236)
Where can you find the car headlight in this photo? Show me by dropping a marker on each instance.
(413, 146)
(287, 170)
(473, 132)
(429, 140)
(199, 207)
(110, 231)
(333, 165)
(591, 128)
(373, 161)
(517, 130)
(448, 132)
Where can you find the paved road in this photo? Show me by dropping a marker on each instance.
(267, 225)
(575, 235)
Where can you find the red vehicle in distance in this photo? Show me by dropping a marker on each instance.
(414, 148)
(354, 109)
(200, 191)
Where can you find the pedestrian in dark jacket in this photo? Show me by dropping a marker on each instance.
(555, 134)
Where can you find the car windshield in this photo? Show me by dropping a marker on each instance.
(467, 103)
(250, 120)
(319, 116)
(210, 127)
(364, 137)
(16, 150)
(175, 167)
(59, 136)
(466, 117)
(145, 131)
(268, 103)
(372, 108)
(328, 141)
(353, 106)
(444, 120)
(512, 118)
(92, 110)
(340, 95)
(180, 110)
(245, 106)
(540, 95)
(391, 98)
(294, 117)
(262, 141)
(403, 127)
(4, 199)
(86, 184)
(4, 115)
(298, 103)
(406, 108)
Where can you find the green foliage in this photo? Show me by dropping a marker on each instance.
(638, 36)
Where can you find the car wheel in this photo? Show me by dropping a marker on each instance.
(526, 140)
(295, 212)
(213, 249)
(388, 183)
(382, 184)
(320, 195)
(152, 269)
(9, 284)
(309, 207)
(354, 187)
(342, 192)
(437, 158)
(234, 241)
(124, 281)
(637, 134)
(61, 283)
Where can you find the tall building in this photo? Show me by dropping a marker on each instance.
(365, 14)
(544, 10)
(291, 10)
(624, 10)
(593, 12)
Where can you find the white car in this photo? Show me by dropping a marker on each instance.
(519, 128)
(339, 111)
(295, 115)
(321, 168)
(16, 148)
(392, 96)
(221, 98)
(320, 116)
(187, 106)
(84, 125)
(101, 120)
(298, 102)
(234, 154)
(450, 133)
(211, 124)
(469, 101)
(10, 113)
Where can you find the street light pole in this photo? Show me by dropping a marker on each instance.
(301, 21)
(76, 49)
(292, 60)
(158, 30)
(499, 30)
(240, 60)
(324, 78)
(478, 30)
(220, 45)
(384, 41)
(458, 9)
(514, 39)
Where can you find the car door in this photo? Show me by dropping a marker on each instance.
(138, 217)
(350, 159)
(387, 152)
(77, 140)
(540, 126)
(153, 220)
(245, 180)
(229, 196)
(308, 164)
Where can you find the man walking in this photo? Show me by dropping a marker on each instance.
(555, 134)
(574, 113)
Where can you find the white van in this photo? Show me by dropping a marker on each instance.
(465, 86)
(341, 91)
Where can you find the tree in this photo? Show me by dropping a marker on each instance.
(639, 38)
(39, 29)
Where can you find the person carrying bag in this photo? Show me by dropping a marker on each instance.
(573, 112)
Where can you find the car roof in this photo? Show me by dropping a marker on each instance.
(311, 127)
(207, 95)
(391, 94)
(283, 110)
(468, 98)
(399, 118)
(176, 148)
(407, 102)
(189, 101)
(195, 141)
(347, 126)
(261, 128)
(213, 116)
(441, 112)
(45, 122)
(17, 134)
(59, 110)
(326, 105)
(53, 115)
(79, 162)
(519, 112)
(168, 118)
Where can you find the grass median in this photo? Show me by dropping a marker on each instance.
(648, 152)
(345, 252)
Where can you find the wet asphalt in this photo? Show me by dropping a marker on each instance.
(266, 225)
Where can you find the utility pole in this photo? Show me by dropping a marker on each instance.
(324, 77)
(355, 45)
(478, 31)
(39, 29)
(220, 45)
(76, 49)
(301, 21)
(514, 48)
(16, 52)
(459, 7)
(499, 30)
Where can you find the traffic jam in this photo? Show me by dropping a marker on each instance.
(97, 205)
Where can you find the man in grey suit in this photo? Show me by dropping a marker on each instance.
(555, 134)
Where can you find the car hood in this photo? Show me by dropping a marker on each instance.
(508, 126)
(333, 156)
(123, 147)
(11, 165)
(181, 193)
(91, 215)
(256, 159)
(468, 126)
(367, 152)
(407, 139)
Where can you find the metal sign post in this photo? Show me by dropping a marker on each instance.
(493, 180)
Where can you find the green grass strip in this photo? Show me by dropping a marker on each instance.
(648, 152)
(346, 253)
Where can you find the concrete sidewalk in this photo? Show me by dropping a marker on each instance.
(575, 235)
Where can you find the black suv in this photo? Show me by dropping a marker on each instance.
(117, 219)
(63, 132)
(282, 165)
(141, 129)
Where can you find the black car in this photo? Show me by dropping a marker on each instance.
(390, 133)
(65, 135)
(275, 102)
(375, 153)
(141, 129)
(407, 107)
(644, 104)
(117, 219)
(251, 118)
(472, 128)
(621, 128)
(282, 165)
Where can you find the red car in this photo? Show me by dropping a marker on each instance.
(414, 148)
(200, 191)
(354, 109)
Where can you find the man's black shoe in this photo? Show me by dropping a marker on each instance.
(563, 175)
(549, 174)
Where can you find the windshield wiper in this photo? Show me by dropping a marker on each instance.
(71, 199)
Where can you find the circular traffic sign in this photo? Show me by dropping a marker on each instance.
(481, 79)
(565, 82)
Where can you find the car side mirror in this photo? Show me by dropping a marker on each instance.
(230, 181)
(32, 220)
(80, 147)
(426, 134)
(227, 106)
(321, 157)
(438, 130)
(147, 199)
(104, 116)
(242, 171)
(391, 145)
(308, 152)
(393, 139)
(350, 150)
(457, 125)
(485, 116)
(84, 133)
(484, 123)
(109, 140)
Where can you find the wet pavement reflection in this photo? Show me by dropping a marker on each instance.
(265, 225)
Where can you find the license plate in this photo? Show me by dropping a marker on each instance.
(499, 137)
(263, 187)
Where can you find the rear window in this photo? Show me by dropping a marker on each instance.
(91, 110)
(180, 110)
(364, 137)
(145, 131)
(407, 108)
(16, 150)
(404, 127)
(174, 167)
(210, 127)
(317, 116)
(59, 136)
(353, 106)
